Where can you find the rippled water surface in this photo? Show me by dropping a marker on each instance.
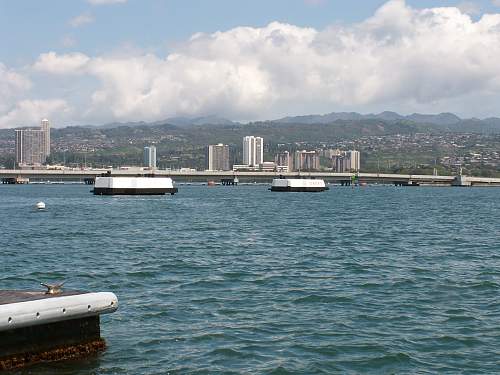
(241, 280)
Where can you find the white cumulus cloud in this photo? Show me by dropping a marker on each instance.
(16, 109)
(12, 86)
(29, 112)
(61, 64)
(401, 57)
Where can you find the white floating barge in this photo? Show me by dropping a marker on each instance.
(108, 185)
(41, 327)
(298, 185)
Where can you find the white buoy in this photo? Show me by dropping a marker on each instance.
(40, 206)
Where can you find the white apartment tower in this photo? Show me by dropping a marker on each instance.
(218, 157)
(45, 137)
(253, 151)
(33, 145)
(150, 157)
(29, 147)
(353, 161)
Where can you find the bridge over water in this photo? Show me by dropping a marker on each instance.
(12, 175)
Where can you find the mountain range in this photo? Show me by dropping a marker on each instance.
(439, 119)
(350, 122)
(441, 122)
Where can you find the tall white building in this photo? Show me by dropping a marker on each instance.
(150, 157)
(218, 157)
(33, 145)
(29, 147)
(253, 150)
(353, 158)
(45, 137)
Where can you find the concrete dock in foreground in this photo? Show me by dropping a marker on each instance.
(37, 326)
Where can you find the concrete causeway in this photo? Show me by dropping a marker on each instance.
(10, 175)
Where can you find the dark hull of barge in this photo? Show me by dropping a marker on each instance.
(132, 191)
(66, 340)
(57, 339)
(299, 189)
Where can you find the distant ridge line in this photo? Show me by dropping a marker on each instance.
(441, 122)
(437, 119)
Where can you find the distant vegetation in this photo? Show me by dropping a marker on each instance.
(183, 144)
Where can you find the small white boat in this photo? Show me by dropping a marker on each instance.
(107, 185)
(298, 185)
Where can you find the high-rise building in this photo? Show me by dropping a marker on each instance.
(353, 163)
(45, 126)
(33, 145)
(150, 157)
(283, 162)
(306, 161)
(29, 147)
(347, 161)
(253, 150)
(218, 157)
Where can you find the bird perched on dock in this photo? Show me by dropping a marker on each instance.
(53, 288)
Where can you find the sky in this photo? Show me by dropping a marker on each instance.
(98, 61)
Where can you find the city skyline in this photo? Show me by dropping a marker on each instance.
(401, 150)
(218, 159)
(297, 57)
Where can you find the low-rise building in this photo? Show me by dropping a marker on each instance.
(267, 166)
(245, 168)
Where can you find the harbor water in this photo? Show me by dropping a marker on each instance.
(240, 280)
